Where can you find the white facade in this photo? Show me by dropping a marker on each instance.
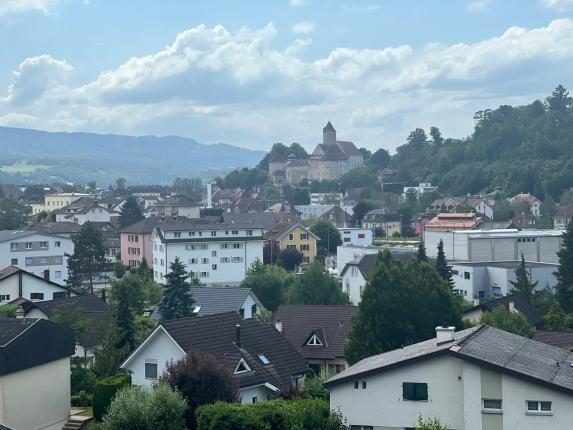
(495, 245)
(356, 236)
(214, 256)
(36, 398)
(311, 212)
(423, 187)
(36, 253)
(31, 288)
(456, 390)
(353, 283)
(56, 201)
(95, 214)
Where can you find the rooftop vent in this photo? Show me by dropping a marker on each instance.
(444, 334)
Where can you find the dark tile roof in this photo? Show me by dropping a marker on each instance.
(13, 234)
(8, 271)
(565, 211)
(205, 223)
(338, 213)
(330, 323)
(266, 219)
(521, 305)
(215, 300)
(145, 226)
(380, 215)
(331, 152)
(91, 307)
(56, 228)
(328, 127)
(560, 339)
(365, 264)
(348, 147)
(215, 334)
(26, 343)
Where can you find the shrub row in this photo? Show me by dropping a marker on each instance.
(105, 390)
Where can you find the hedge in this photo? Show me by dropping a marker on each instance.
(104, 392)
(298, 414)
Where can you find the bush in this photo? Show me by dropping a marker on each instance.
(299, 414)
(105, 390)
(82, 400)
(82, 377)
(140, 408)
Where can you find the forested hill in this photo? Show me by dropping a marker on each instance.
(516, 149)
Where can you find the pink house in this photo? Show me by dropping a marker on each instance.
(136, 242)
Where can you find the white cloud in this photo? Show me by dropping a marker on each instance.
(477, 5)
(296, 2)
(559, 5)
(8, 7)
(304, 27)
(215, 85)
(35, 76)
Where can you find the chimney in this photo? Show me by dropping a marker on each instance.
(209, 198)
(444, 334)
(511, 306)
(47, 274)
(279, 326)
(238, 335)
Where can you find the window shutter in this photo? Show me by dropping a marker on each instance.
(422, 391)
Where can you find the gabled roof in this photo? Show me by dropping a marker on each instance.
(365, 264)
(380, 215)
(560, 339)
(521, 305)
(338, 213)
(328, 127)
(215, 300)
(145, 226)
(55, 228)
(216, 334)
(329, 152)
(14, 234)
(565, 211)
(485, 346)
(176, 201)
(26, 343)
(13, 270)
(281, 230)
(329, 323)
(266, 219)
(82, 206)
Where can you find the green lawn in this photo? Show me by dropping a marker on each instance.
(23, 167)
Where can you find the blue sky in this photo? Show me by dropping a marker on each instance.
(255, 72)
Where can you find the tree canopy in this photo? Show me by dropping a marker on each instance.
(177, 299)
(316, 287)
(328, 236)
(130, 212)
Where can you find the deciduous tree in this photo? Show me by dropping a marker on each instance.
(316, 287)
(504, 319)
(328, 236)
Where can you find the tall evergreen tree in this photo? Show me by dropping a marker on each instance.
(422, 252)
(442, 267)
(124, 316)
(522, 286)
(564, 273)
(107, 354)
(88, 259)
(130, 212)
(177, 299)
(556, 319)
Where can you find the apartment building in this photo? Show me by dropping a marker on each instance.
(56, 201)
(213, 250)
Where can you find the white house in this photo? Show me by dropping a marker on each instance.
(214, 250)
(345, 254)
(423, 187)
(34, 374)
(16, 283)
(85, 210)
(39, 253)
(264, 363)
(56, 201)
(355, 275)
(356, 236)
(476, 379)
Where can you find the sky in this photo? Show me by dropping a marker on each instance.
(250, 73)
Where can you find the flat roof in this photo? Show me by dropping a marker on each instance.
(503, 264)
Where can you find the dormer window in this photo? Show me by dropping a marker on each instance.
(242, 367)
(314, 341)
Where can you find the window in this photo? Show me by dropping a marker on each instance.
(237, 259)
(28, 261)
(492, 404)
(204, 261)
(361, 236)
(225, 260)
(191, 233)
(14, 261)
(213, 266)
(363, 385)
(213, 253)
(177, 234)
(291, 246)
(58, 274)
(43, 244)
(253, 309)
(235, 232)
(304, 236)
(36, 296)
(224, 246)
(314, 341)
(237, 245)
(28, 245)
(193, 260)
(263, 359)
(455, 272)
(4, 297)
(305, 247)
(254, 400)
(13, 246)
(466, 275)
(213, 233)
(291, 236)
(57, 244)
(535, 407)
(242, 367)
(415, 391)
(346, 239)
(150, 369)
(203, 274)
(59, 295)
(249, 232)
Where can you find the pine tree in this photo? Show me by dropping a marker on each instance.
(442, 267)
(88, 258)
(422, 252)
(177, 299)
(124, 316)
(130, 213)
(522, 286)
(564, 273)
(145, 271)
(107, 354)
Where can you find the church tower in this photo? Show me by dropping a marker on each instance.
(329, 135)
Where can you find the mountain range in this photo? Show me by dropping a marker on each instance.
(38, 156)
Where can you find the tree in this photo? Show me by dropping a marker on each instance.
(417, 138)
(556, 319)
(108, 356)
(564, 273)
(125, 316)
(144, 408)
(69, 316)
(522, 286)
(202, 380)
(271, 252)
(290, 258)
(91, 187)
(177, 299)
(328, 236)
(436, 135)
(504, 319)
(88, 258)
(268, 283)
(401, 305)
(12, 214)
(559, 100)
(444, 270)
(120, 187)
(130, 212)
(422, 252)
(131, 287)
(316, 287)
(300, 196)
(380, 158)
(362, 208)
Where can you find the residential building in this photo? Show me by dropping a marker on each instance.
(352, 197)
(356, 236)
(527, 221)
(423, 187)
(493, 279)
(66, 228)
(326, 198)
(347, 253)
(91, 308)
(86, 209)
(355, 274)
(475, 379)
(56, 201)
(563, 216)
(318, 333)
(483, 206)
(294, 236)
(226, 198)
(136, 242)
(533, 202)
(339, 217)
(263, 362)
(383, 223)
(34, 374)
(453, 221)
(495, 245)
(313, 212)
(174, 207)
(214, 250)
(42, 254)
(512, 303)
(17, 285)
(419, 220)
(146, 190)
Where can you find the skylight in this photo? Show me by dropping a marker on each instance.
(264, 359)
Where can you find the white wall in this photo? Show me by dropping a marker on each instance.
(353, 283)
(247, 306)
(350, 236)
(262, 394)
(345, 254)
(36, 398)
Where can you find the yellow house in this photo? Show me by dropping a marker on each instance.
(294, 236)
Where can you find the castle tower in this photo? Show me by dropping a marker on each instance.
(329, 134)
